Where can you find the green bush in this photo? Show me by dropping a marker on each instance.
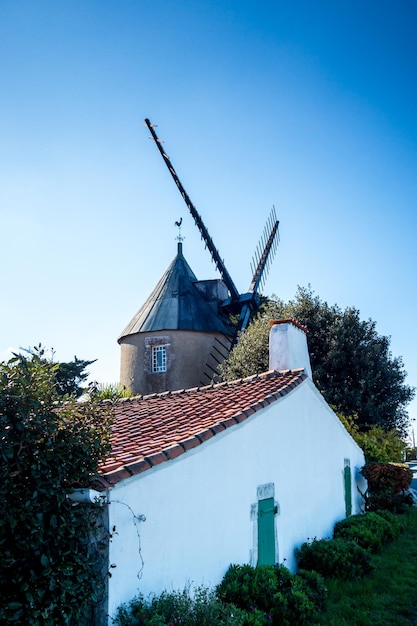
(397, 522)
(202, 608)
(285, 599)
(308, 596)
(362, 535)
(53, 561)
(260, 587)
(335, 558)
(371, 531)
(314, 586)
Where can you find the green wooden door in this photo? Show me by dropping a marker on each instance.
(348, 488)
(266, 532)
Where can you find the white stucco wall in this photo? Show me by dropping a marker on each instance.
(198, 506)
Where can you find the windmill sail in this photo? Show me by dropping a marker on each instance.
(197, 218)
(263, 256)
(270, 241)
(243, 304)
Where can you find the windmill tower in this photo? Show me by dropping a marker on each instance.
(182, 332)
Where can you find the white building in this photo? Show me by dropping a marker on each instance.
(240, 472)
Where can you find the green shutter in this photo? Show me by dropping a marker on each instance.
(348, 488)
(266, 532)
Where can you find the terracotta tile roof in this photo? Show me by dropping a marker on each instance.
(149, 430)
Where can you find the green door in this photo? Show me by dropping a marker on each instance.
(266, 532)
(348, 488)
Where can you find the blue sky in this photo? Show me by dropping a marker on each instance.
(307, 106)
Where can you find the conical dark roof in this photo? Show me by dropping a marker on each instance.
(177, 304)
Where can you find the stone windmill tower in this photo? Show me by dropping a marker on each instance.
(182, 332)
(179, 336)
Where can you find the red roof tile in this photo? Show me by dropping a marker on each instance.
(149, 430)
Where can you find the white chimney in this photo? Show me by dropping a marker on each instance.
(288, 346)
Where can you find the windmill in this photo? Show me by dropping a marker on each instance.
(242, 304)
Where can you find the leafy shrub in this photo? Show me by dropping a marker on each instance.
(380, 445)
(387, 483)
(387, 477)
(335, 558)
(202, 608)
(51, 550)
(371, 531)
(314, 586)
(259, 587)
(285, 599)
(397, 522)
(361, 535)
(308, 596)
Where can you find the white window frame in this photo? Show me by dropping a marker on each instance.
(158, 359)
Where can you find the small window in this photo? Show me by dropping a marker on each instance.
(159, 359)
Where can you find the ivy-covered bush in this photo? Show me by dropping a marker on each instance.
(285, 599)
(334, 558)
(370, 531)
(50, 566)
(387, 483)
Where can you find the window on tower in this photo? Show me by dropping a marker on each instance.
(159, 359)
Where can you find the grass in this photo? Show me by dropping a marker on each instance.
(388, 596)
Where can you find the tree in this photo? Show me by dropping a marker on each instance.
(378, 445)
(352, 365)
(48, 564)
(69, 377)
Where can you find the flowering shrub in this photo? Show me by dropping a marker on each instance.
(387, 483)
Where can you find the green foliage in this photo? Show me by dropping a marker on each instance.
(110, 391)
(378, 445)
(361, 535)
(334, 558)
(370, 531)
(69, 377)
(308, 597)
(202, 608)
(385, 597)
(248, 586)
(352, 365)
(387, 483)
(49, 547)
(251, 353)
(285, 599)
(397, 523)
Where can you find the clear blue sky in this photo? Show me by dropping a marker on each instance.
(310, 106)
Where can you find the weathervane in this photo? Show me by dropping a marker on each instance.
(178, 225)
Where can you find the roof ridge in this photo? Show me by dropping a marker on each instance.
(272, 373)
